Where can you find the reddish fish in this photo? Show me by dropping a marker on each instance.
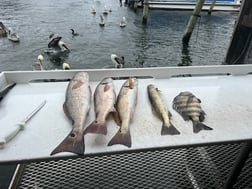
(76, 108)
(125, 105)
(104, 103)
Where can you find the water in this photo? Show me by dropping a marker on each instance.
(157, 44)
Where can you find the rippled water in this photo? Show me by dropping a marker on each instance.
(157, 44)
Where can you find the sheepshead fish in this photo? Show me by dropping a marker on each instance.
(125, 105)
(161, 110)
(104, 103)
(76, 107)
(188, 106)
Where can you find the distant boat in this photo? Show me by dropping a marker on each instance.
(221, 5)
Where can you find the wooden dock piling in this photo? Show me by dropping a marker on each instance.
(192, 22)
(145, 11)
(211, 7)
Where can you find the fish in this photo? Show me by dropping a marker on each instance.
(5, 90)
(125, 106)
(76, 107)
(161, 110)
(104, 103)
(188, 106)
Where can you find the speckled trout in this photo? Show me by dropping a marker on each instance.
(125, 105)
(104, 103)
(76, 107)
(161, 110)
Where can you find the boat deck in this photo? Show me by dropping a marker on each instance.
(225, 92)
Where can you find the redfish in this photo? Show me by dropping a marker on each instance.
(125, 105)
(76, 107)
(104, 103)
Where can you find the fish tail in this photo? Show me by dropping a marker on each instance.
(198, 126)
(96, 127)
(169, 130)
(74, 142)
(121, 138)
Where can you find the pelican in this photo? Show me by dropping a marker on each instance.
(57, 44)
(73, 32)
(39, 64)
(65, 66)
(123, 22)
(3, 30)
(12, 36)
(102, 23)
(118, 60)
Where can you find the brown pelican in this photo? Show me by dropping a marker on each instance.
(39, 65)
(118, 60)
(65, 66)
(3, 30)
(123, 22)
(12, 36)
(57, 44)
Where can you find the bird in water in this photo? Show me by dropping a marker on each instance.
(65, 66)
(123, 22)
(56, 47)
(105, 11)
(73, 32)
(118, 60)
(93, 11)
(102, 22)
(39, 65)
(3, 30)
(12, 36)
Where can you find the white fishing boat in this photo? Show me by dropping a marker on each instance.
(220, 5)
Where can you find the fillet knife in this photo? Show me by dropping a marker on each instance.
(19, 126)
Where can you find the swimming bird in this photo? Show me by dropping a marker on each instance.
(3, 30)
(65, 66)
(105, 11)
(57, 44)
(102, 22)
(12, 36)
(93, 11)
(39, 65)
(118, 60)
(73, 32)
(123, 22)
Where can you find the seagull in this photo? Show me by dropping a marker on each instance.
(73, 33)
(118, 60)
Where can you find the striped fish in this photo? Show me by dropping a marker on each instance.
(188, 106)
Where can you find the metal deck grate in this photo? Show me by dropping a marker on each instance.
(183, 168)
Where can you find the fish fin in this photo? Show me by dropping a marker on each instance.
(198, 126)
(171, 130)
(96, 127)
(202, 116)
(74, 142)
(121, 138)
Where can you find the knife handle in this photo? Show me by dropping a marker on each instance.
(11, 133)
